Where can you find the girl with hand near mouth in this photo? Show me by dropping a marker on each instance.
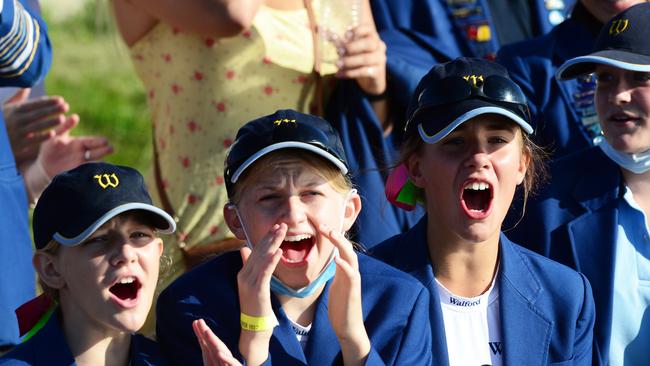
(298, 293)
(466, 151)
(97, 258)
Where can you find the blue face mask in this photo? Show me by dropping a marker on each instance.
(636, 163)
(280, 288)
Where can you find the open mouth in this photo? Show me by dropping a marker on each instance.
(476, 199)
(296, 249)
(623, 118)
(126, 289)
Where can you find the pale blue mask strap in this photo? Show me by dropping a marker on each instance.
(279, 288)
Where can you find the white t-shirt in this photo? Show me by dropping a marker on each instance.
(302, 333)
(472, 327)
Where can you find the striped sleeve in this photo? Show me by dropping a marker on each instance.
(24, 47)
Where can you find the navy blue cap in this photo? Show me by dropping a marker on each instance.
(284, 129)
(77, 202)
(622, 43)
(453, 92)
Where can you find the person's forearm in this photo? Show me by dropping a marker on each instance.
(216, 18)
(254, 346)
(355, 352)
(35, 178)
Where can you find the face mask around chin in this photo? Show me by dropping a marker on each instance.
(280, 288)
(636, 163)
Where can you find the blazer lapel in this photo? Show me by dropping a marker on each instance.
(323, 347)
(592, 237)
(284, 338)
(526, 329)
(416, 261)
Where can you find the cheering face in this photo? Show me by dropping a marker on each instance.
(290, 191)
(110, 279)
(623, 106)
(469, 177)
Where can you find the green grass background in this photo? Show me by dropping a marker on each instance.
(92, 70)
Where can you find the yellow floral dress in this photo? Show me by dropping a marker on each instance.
(200, 91)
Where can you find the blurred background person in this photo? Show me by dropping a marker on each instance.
(563, 111)
(209, 66)
(593, 216)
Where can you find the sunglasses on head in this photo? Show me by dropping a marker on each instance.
(454, 89)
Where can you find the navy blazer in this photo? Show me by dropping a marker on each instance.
(546, 309)
(393, 306)
(433, 24)
(574, 221)
(49, 347)
(553, 104)
(25, 57)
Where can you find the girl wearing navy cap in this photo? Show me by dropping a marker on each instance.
(97, 258)
(298, 293)
(492, 301)
(594, 214)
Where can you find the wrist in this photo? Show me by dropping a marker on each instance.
(355, 351)
(257, 323)
(36, 179)
(377, 97)
(254, 346)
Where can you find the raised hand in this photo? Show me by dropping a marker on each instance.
(362, 56)
(214, 351)
(344, 304)
(30, 122)
(254, 286)
(64, 152)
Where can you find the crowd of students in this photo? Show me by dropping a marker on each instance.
(518, 194)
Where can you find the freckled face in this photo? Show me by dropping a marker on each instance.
(469, 178)
(295, 194)
(623, 106)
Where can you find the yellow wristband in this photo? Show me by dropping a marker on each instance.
(258, 323)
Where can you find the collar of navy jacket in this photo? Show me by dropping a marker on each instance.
(49, 347)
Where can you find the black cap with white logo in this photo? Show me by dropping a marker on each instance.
(77, 202)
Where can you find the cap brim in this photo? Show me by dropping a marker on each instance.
(288, 145)
(584, 65)
(477, 108)
(165, 224)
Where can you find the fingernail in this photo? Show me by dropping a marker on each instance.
(348, 34)
(340, 51)
(339, 63)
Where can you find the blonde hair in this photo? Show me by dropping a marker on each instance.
(340, 182)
